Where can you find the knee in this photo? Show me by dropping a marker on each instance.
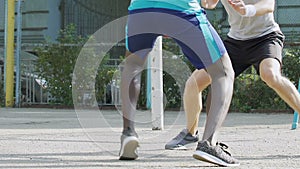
(231, 74)
(191, 84)
(270, 77)
(133, 60)
(198, 81)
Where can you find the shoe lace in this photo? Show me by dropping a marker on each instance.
(224, 147)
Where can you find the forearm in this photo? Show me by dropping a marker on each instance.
(264, 6)
(209, 4)
(260, 8)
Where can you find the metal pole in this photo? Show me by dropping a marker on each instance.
(18, 52)
(157, 86)
(148, 86)
(9, 31)
(5, 47)
(296, 114)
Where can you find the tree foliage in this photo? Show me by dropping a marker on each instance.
(56, 64)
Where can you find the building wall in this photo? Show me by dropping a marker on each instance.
(287, 15)
(40, 21)
(2, 22)
(2, 14)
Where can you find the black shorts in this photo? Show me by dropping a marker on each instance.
(245, 53)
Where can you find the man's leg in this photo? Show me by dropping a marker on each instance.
(198, 81)
(222, 76)
(130, 89)
(192, 98)
(208, 150)
(270, 72)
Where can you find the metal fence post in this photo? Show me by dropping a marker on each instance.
(18, 55)
(157, 86)
(296, 114)
(9, 52)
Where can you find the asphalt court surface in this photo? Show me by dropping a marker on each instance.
(37, 138)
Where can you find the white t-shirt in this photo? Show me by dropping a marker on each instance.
(243, 28)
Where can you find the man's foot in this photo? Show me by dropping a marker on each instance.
(181, 140)
(129, 144)
(215, 154)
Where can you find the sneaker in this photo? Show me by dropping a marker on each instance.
(129, 144)
(215, 154)
(181, 140)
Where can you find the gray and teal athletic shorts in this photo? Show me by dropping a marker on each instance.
(199, 41)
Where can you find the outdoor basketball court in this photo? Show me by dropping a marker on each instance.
(53, 138)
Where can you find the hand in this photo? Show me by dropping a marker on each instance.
(238, 5)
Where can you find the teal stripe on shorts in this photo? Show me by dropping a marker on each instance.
(213, 48)
(188, 6)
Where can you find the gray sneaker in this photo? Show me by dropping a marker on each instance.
(215, 154)
(181, 140)
(129, 144)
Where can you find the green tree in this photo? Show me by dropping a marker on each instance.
(56, 63)
(291, 64)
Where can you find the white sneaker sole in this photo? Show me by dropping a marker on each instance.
(128, 148)
(189, 146)
(176, 148)
(202, 156)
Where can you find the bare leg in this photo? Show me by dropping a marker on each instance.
(222, 76)
(270, 72)
(130, 89)
(192, 98)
